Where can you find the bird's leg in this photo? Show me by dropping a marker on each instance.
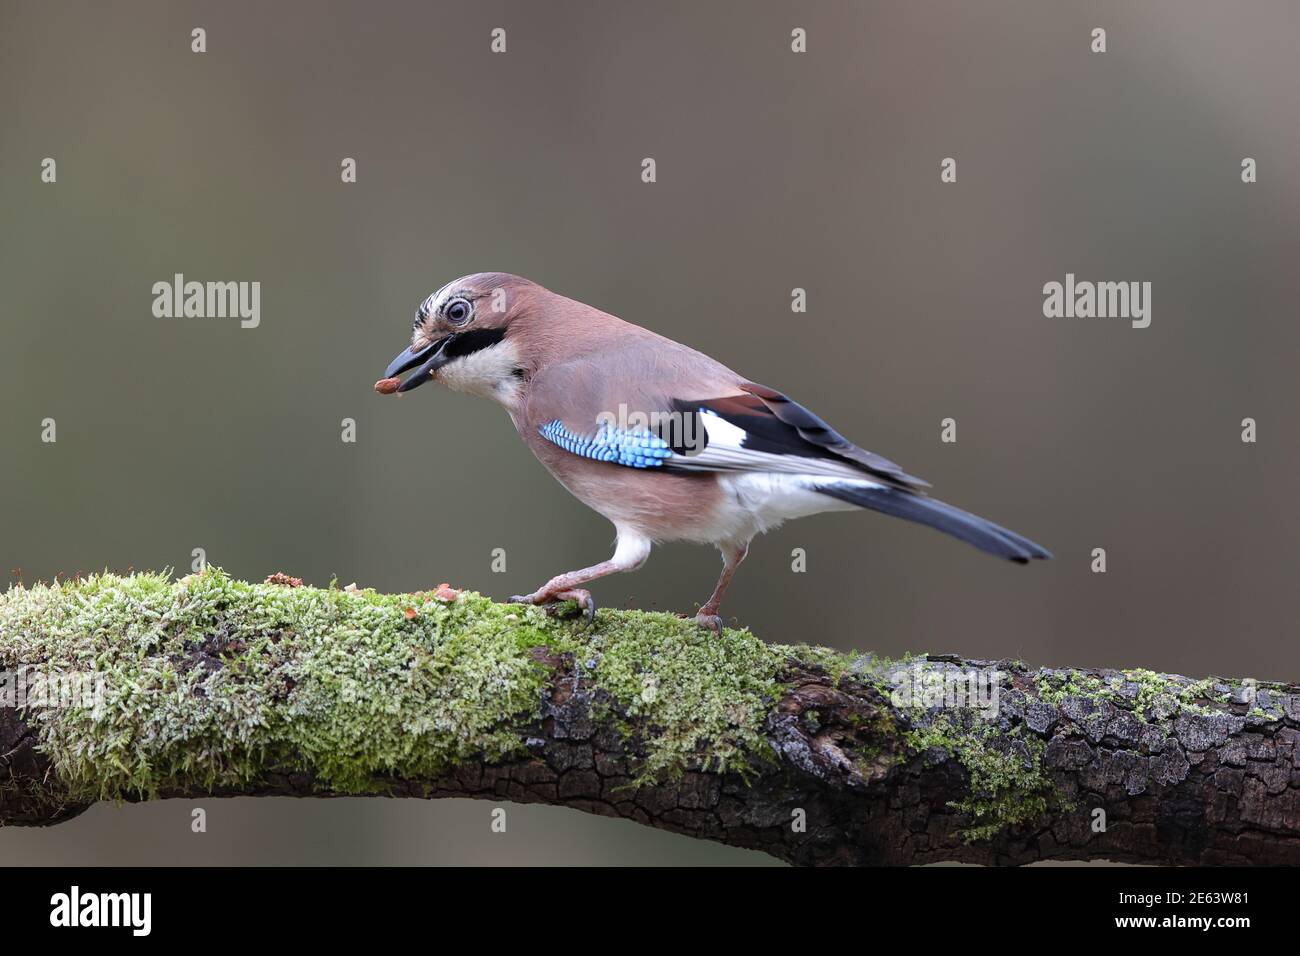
(630, 554)
(732, 555)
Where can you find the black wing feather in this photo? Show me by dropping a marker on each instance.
(774, 423)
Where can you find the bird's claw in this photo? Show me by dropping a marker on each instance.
(586, 603)
(710, 622)
(555, 601)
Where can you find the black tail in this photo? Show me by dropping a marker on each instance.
(970, 528)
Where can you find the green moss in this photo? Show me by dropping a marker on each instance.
(702, 697)
(869, 668)
(338, 681)
(1152, 690)
(352, 684)
(834, 663)
(1164, 694)
(1054, 688)
(1008, 785)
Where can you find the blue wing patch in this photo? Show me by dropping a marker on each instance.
(632, 448)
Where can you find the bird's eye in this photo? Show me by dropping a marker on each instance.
(458, 311)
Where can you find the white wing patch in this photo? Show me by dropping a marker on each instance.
(725, 451)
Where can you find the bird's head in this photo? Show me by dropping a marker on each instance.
(461, 337)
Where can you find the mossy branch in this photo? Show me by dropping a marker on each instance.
(140, 687)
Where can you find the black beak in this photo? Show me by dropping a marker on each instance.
(429, 359)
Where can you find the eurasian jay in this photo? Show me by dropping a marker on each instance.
(662, 440)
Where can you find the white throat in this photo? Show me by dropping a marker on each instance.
(488, 373)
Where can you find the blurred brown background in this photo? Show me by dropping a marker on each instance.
(775, 170)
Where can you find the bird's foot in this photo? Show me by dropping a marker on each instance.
(555, 601)
(710, 622)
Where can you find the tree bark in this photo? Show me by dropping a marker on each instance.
(871, 764)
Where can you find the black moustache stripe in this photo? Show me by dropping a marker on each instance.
(475, 340)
